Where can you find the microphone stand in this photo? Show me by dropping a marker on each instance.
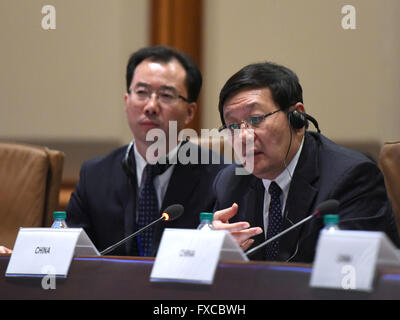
(130, 236)
(249, 252)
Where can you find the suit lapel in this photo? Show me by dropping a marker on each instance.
(180, 187)
(301, 197)
(254, 214)
(184, 180)
(128, 199)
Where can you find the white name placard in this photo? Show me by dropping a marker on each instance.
(187, 255)
(349, 259)
(38, 251)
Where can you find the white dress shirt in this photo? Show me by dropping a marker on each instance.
(283, 181)
(160, 181)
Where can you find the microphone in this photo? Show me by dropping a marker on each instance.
(330, 206)
(172, 213)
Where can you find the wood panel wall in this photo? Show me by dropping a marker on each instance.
(178, 23)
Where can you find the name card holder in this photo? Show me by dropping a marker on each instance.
(348, 260)
(43, 251)
(192, 256)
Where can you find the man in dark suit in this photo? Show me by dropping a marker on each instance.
(162, 88)
(292, 170)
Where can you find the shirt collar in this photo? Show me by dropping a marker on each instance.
(141, 162)
(284, 179)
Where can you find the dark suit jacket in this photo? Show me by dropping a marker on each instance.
(104, 201)
(324, 171)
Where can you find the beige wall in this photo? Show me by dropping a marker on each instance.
(350, 78)
(67, 83)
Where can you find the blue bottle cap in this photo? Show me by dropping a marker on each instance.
(206, 216)
(59, 215)
(330, 219)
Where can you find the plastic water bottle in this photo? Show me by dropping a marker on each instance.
(331, 222)
(206, 219)
(59, 220)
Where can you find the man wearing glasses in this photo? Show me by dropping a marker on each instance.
(293, 170)
(124, 191)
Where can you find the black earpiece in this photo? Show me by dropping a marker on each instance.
(298, 120)
(126, 163)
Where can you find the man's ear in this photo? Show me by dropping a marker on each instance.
(296, 117)
(191, 111)
(299, 106)
(126, 98)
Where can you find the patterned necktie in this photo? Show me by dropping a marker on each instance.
(274, 220)
(147, 210)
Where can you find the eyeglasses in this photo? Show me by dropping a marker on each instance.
(250, 122)
(165, 96)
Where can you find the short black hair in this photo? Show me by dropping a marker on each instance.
(165, 54)
(283, 83)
